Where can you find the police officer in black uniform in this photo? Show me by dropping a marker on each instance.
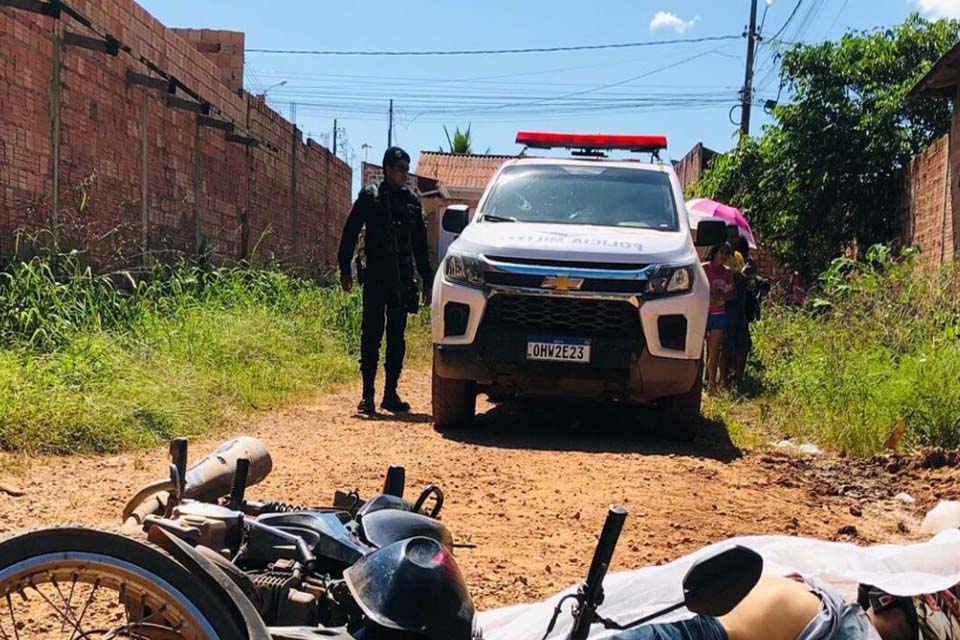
(395, 237)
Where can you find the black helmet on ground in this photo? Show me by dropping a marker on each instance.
(414, 588)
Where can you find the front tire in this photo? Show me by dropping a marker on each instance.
(118, 577)
(680, 414)
(454, 402)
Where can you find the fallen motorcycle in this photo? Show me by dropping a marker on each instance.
(216, 565)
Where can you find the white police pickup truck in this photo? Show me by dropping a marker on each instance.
(576, 278)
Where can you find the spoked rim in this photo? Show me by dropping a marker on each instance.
(70, 585)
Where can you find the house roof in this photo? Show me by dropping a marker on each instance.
(459, 171)
(942, 80)
(373, 174)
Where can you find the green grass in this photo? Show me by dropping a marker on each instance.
(96, 364)
(876, 348)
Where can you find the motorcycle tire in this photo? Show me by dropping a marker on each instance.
(31, 557)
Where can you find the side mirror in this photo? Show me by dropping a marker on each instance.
(709, 233)
(715, 585)
(456, 217)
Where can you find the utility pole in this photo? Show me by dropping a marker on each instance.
(747, 94)
(390, 129)
(334, 136)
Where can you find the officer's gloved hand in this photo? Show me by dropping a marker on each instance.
(346, 282)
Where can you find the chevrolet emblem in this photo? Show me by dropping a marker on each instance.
(562, 283)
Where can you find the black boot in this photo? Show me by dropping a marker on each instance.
(391, 399)
(368, 405)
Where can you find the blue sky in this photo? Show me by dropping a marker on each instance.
(685, 91)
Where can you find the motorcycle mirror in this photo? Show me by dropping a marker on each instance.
(715, 585)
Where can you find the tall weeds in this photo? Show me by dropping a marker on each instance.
(94, 362)
(877, 348)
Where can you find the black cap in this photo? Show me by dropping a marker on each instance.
(394, 156)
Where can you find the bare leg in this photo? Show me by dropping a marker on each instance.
(714, 338)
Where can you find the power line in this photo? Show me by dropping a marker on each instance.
(470, 81)
(341, 82)
(255, 81)
(466, 95)
(770, 59)
(788, 21)
(612, 84)
(476, 52)
(839, 13)
(519, 118)
(353, 111)
(807, 21)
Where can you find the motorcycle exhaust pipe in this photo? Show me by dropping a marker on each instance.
(211, 477)
(208, 479)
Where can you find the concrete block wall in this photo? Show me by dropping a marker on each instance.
(238, 198)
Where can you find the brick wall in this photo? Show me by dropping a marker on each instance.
(237, 199)
(691, 166)
(927, 221)
(372, 174)
(223, 48)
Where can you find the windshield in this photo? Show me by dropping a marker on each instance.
(578, 194)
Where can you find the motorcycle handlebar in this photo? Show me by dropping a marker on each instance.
(591, 593)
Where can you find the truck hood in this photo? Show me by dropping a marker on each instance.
(580, 243)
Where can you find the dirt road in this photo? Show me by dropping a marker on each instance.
(529, 485)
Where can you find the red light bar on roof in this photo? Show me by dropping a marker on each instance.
(542, 140)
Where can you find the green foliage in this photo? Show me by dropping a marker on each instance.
(461, 141)
(102, 363)
(879, 347)
(826, 171)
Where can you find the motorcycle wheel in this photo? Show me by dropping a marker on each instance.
(85, 584)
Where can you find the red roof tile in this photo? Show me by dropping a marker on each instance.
(459, 170)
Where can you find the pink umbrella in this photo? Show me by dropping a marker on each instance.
(701, 208)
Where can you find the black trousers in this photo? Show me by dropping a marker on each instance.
(381, 310)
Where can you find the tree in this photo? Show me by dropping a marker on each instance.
(828, 170)
(461, 142)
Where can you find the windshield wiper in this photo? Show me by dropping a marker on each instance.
(494, 218)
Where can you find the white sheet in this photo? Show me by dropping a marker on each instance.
(898, 569)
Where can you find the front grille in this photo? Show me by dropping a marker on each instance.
(594, 285)
(572, 264)
(575, 316)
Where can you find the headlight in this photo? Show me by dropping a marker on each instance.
(465, 269)
(670, 280)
